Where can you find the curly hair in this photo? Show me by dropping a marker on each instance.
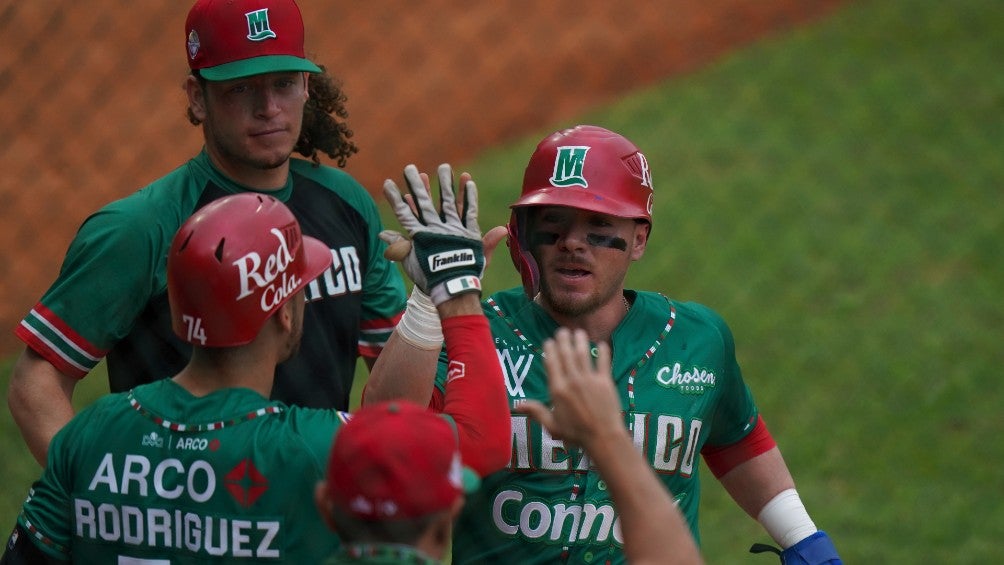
(324, 129)
(321, 130)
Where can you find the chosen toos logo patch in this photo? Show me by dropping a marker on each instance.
(693, 381)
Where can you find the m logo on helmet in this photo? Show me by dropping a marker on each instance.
(258, 28)
(568, 164)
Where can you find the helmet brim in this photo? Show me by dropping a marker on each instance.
(579, 199)
(317, 259)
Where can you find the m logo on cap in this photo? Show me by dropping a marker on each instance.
(568, 164)
(258, 28)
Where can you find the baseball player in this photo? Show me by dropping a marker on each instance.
(584, 215)
(373, 500)
(258, 99)
(394, 485)
(203, 466)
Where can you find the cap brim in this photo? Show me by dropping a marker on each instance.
(257, 66)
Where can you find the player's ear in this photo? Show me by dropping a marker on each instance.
(284, 316)
(323, 505)
(640, 242)
(196, 98)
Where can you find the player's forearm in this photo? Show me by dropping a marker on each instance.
(475, 394)
(764, 488)
(654, 530)
(402, 371)
(407, 369)
(39, 399)
(754, 483)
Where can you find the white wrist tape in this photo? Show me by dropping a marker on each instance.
(786, 519)
(420, 325)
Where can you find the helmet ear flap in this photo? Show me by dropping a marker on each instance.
(524, 262)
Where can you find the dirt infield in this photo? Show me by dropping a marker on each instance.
(94, 110)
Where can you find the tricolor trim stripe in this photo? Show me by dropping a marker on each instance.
(44, 539)
(648, 355)
(219, 425)
(373, 334)
(634, 371)
(53, 339)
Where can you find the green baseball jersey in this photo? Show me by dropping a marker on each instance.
(159, 474)
(110, 298)
(681, 390)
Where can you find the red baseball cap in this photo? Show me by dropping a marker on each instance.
(396, 459)
(228, 39)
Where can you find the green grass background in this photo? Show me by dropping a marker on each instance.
(835, 193)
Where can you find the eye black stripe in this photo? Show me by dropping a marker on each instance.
(610, 241)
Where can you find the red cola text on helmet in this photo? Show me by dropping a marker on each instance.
(264, 274)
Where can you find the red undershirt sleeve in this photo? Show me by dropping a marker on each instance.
(475, 395)
(722, 459)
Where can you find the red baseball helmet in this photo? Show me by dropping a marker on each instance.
(233, 263)
(585, 167)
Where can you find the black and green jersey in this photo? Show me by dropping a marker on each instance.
(110, 298)
(681, 390)
(159, 474)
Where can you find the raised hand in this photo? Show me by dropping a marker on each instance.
(585, 406)
(446, 256)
